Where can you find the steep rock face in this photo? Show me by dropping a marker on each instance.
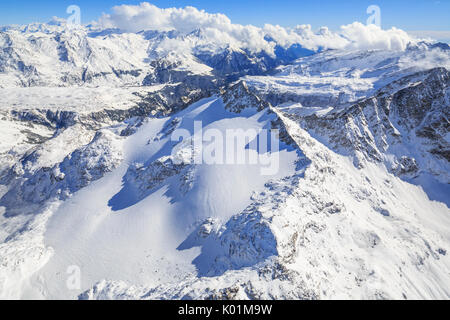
(334, 78)
(172, 99)
(424, 108)
(413, 112)
(235, 63)
(239, 97)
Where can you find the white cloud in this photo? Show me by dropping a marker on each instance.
(219, 30)
(373, 37)
(146, 16)
(149, 17)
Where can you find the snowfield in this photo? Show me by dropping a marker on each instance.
(99, 198)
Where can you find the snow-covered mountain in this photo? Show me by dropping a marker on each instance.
(54, 55)
(91, 177)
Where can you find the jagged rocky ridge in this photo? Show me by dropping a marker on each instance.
(405, 125)
(414, 114)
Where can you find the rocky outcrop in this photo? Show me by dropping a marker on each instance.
(238, 97)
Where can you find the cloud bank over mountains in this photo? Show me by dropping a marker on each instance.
(218, 29)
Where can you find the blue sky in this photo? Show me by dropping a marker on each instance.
(405, 14)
